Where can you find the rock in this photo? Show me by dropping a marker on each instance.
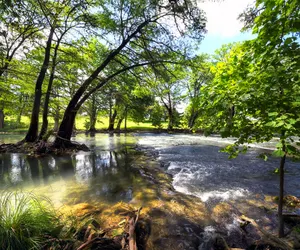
(216, 242)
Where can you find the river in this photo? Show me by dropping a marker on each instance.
(113, 171)
(197, 167)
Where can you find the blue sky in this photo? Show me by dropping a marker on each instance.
(222, 24)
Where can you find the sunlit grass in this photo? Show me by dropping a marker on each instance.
(103, 121)
(80, 123)
(25, 220)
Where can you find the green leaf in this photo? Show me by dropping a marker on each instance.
(291, 150)
(263, 156)
(279, 124)
(278, 153)
(273, 114)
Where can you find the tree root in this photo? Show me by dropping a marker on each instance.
(42, 147)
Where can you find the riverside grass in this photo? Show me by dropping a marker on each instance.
(25, 220)
(102, 123)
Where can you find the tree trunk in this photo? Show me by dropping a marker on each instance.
(192, 119)
(4, 68)
(19, 117)
(93, 120)
(65, 130)
(1, 119)
(112, 121)
(74, 126)
(170, 116)
(32, 133)
(48, 93)
(93, 115)
(125, 123)
(119, 123)
(56, 121)
(281, 191)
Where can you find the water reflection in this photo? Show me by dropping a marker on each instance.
(96, 175)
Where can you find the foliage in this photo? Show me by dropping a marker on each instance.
(25, 220)
(157, 115)
(198, 76)
(255, 92)
(256, 87)
(169, 85)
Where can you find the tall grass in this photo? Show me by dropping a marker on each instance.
(25, 220)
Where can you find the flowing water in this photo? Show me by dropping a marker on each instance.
(198, 168)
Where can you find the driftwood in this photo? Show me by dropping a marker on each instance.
(131, 231)
(291, 215)
(106, 243)
(268, 238)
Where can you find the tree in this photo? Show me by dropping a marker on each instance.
(170, 88)
(132, 98)
(199, 75)
(73, 16)
(157, 115)
(60, 18)
(20, 25)
(260, 79)
(132, 28)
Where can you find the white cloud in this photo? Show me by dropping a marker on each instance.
(222, 16)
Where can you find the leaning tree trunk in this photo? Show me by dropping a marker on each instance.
(32, 133)
(1, 119)
(119, 123)
(281, 192)
(65, 131)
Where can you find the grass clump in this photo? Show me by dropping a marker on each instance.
(25, 221)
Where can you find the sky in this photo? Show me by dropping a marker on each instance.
(222, 24)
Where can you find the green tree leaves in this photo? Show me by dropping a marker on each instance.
(258, 81)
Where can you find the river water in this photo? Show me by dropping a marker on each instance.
(197, 167)
(104, 173)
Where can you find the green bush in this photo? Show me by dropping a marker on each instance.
(25, 220)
